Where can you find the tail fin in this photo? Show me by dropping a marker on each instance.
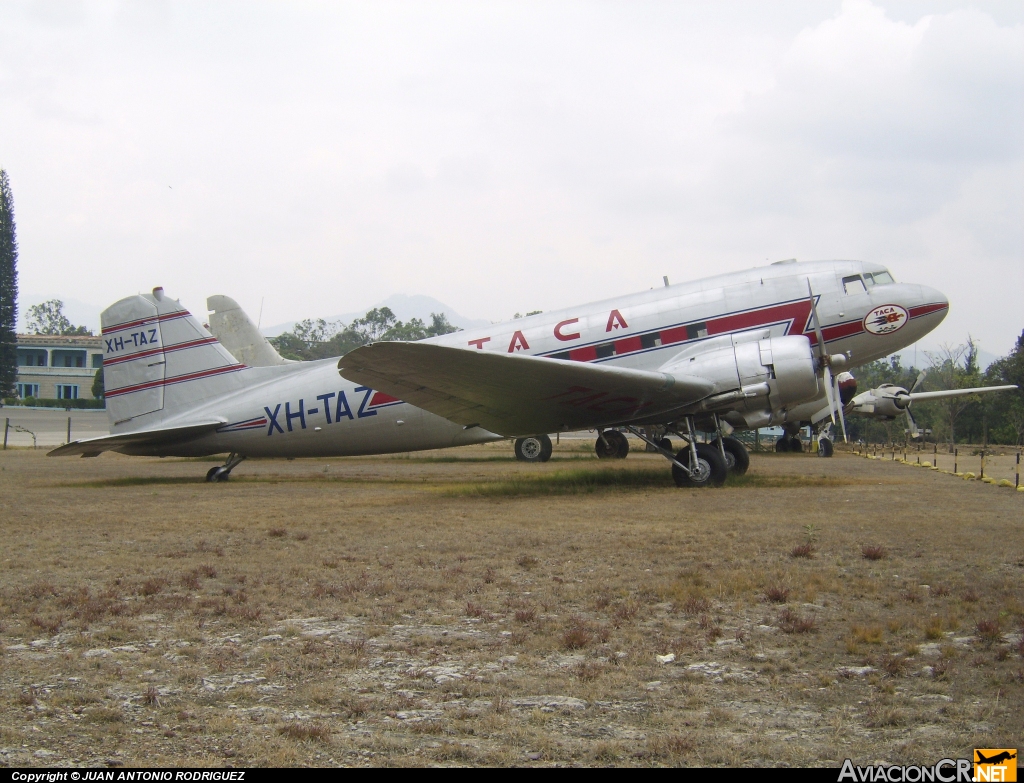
(158, 360)
(239, 334)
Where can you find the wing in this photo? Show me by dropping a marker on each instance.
(515, 395)
(93, 447)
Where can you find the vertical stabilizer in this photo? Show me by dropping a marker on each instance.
(158, 361)
(239, 334)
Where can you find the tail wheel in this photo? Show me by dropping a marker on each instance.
(612, 445)
(710, 470)
(825, 448)
(737, 459)
(536, 448)
(782, 445)
(666, 444)
(218, 473)
(796, 445)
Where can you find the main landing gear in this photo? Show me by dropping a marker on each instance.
(222, 472)
(536, 448)
(701, 464)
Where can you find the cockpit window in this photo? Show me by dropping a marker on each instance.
(854, 285)
(883, 278)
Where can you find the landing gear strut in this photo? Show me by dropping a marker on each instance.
(536, 448)
(696, 465)
(222, 472)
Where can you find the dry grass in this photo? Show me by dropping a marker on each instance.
(478, 611)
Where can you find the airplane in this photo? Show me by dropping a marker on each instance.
(1004, 756)
(741, 350)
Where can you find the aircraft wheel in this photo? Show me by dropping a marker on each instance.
(736, 457)
(666, 444)
(710, 470)
(825, 448)
(617, 448)
(217, 474)
(782, 445)
(536, 448)
(796, 445)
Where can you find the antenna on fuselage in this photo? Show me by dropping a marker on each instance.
(665, 278)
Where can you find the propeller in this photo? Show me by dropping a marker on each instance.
(825, 362)
(915, 433)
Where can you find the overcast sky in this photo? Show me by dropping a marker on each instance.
(519, 156)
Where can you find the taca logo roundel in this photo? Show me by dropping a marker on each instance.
(885, 319)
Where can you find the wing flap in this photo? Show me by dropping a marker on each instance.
(95, 446)
(515, 395)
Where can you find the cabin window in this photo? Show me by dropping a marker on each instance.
(854, 285)
(606, 350)
(652, 340)
(695, 331)
(563, 356)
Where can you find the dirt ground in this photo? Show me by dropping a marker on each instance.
(461, 608)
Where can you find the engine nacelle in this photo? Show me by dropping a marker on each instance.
(753, 379)
(886, 402)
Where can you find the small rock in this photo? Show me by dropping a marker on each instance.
(274, 637)
(533, 756)
(665, 658)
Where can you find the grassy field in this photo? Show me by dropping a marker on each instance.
(461, 608)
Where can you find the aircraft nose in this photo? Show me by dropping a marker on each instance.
(934, 300)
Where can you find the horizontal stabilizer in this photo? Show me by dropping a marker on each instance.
(156, 437)
(515, 395)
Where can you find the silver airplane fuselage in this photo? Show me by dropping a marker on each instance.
(308, 409)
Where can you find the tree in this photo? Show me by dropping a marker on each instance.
(49, 318)
(320, 339)
(1005, 410)
(8, 290)
(439, 324)
(955, 367)
(97, 385)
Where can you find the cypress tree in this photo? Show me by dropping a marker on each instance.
(8, 290)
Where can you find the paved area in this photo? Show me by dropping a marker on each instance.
(50, 426)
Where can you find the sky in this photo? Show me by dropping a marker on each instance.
(315, 158)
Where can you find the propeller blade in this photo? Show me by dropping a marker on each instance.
(842, 422)
(827, 377)
(914, 431)
(817, 323)
(920, 379)
(831, 385)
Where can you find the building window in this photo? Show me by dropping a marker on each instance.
(28, 390)
(97, 361)
(67, 392)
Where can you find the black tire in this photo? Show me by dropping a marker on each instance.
(216, 474)
(796, 445)
(617, 448)
(825, 448)
(737, 459)
(666, 444)
(782, 445)
(713, 471)
(536, 448)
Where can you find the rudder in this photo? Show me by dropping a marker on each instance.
(158, 359)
